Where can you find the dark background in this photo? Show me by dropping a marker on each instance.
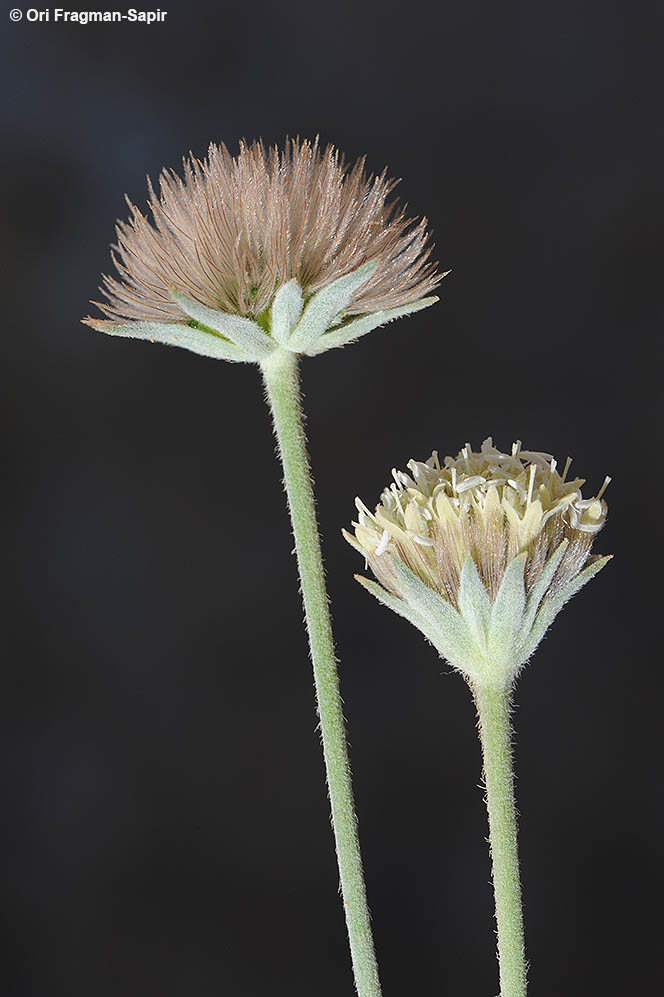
(165, 822)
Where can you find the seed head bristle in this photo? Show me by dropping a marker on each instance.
(232, 229)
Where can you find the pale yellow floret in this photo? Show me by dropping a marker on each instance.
(486, 505)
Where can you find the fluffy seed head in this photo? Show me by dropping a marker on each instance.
(233, 229)
(487, 506)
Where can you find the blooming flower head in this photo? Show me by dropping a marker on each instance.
(267, 247)
(487, 547)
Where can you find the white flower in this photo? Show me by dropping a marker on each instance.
(481, 553)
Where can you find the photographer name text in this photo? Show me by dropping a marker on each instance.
(89, 16)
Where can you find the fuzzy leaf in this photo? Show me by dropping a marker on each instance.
(286, 310)
(538, 590)
(474, 603)
(399, 607)
(452, 638)
(206, 344)
(358, 327)
(551, 607)
(507, 613)
(572, 587)
(323, 307)
(241, 331)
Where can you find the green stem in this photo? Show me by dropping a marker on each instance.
(493, 708)
(282, 386)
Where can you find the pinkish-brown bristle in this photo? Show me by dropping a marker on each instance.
(235, 228)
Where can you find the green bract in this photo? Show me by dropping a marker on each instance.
(309, 329)
(487, 641)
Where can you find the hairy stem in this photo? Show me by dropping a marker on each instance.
(282, 386)
(493, 708)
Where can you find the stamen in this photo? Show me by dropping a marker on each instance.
(383, 544)
(607, 482)
(422, 541)
(471, 482)
(517, 486)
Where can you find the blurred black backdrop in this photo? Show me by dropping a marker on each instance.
(164, 818)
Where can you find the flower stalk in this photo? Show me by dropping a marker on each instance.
(480, 554)
(280, 374)
(261, 258)
(493, 711)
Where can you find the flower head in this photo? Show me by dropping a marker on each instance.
(238, 239)
(485, 549)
